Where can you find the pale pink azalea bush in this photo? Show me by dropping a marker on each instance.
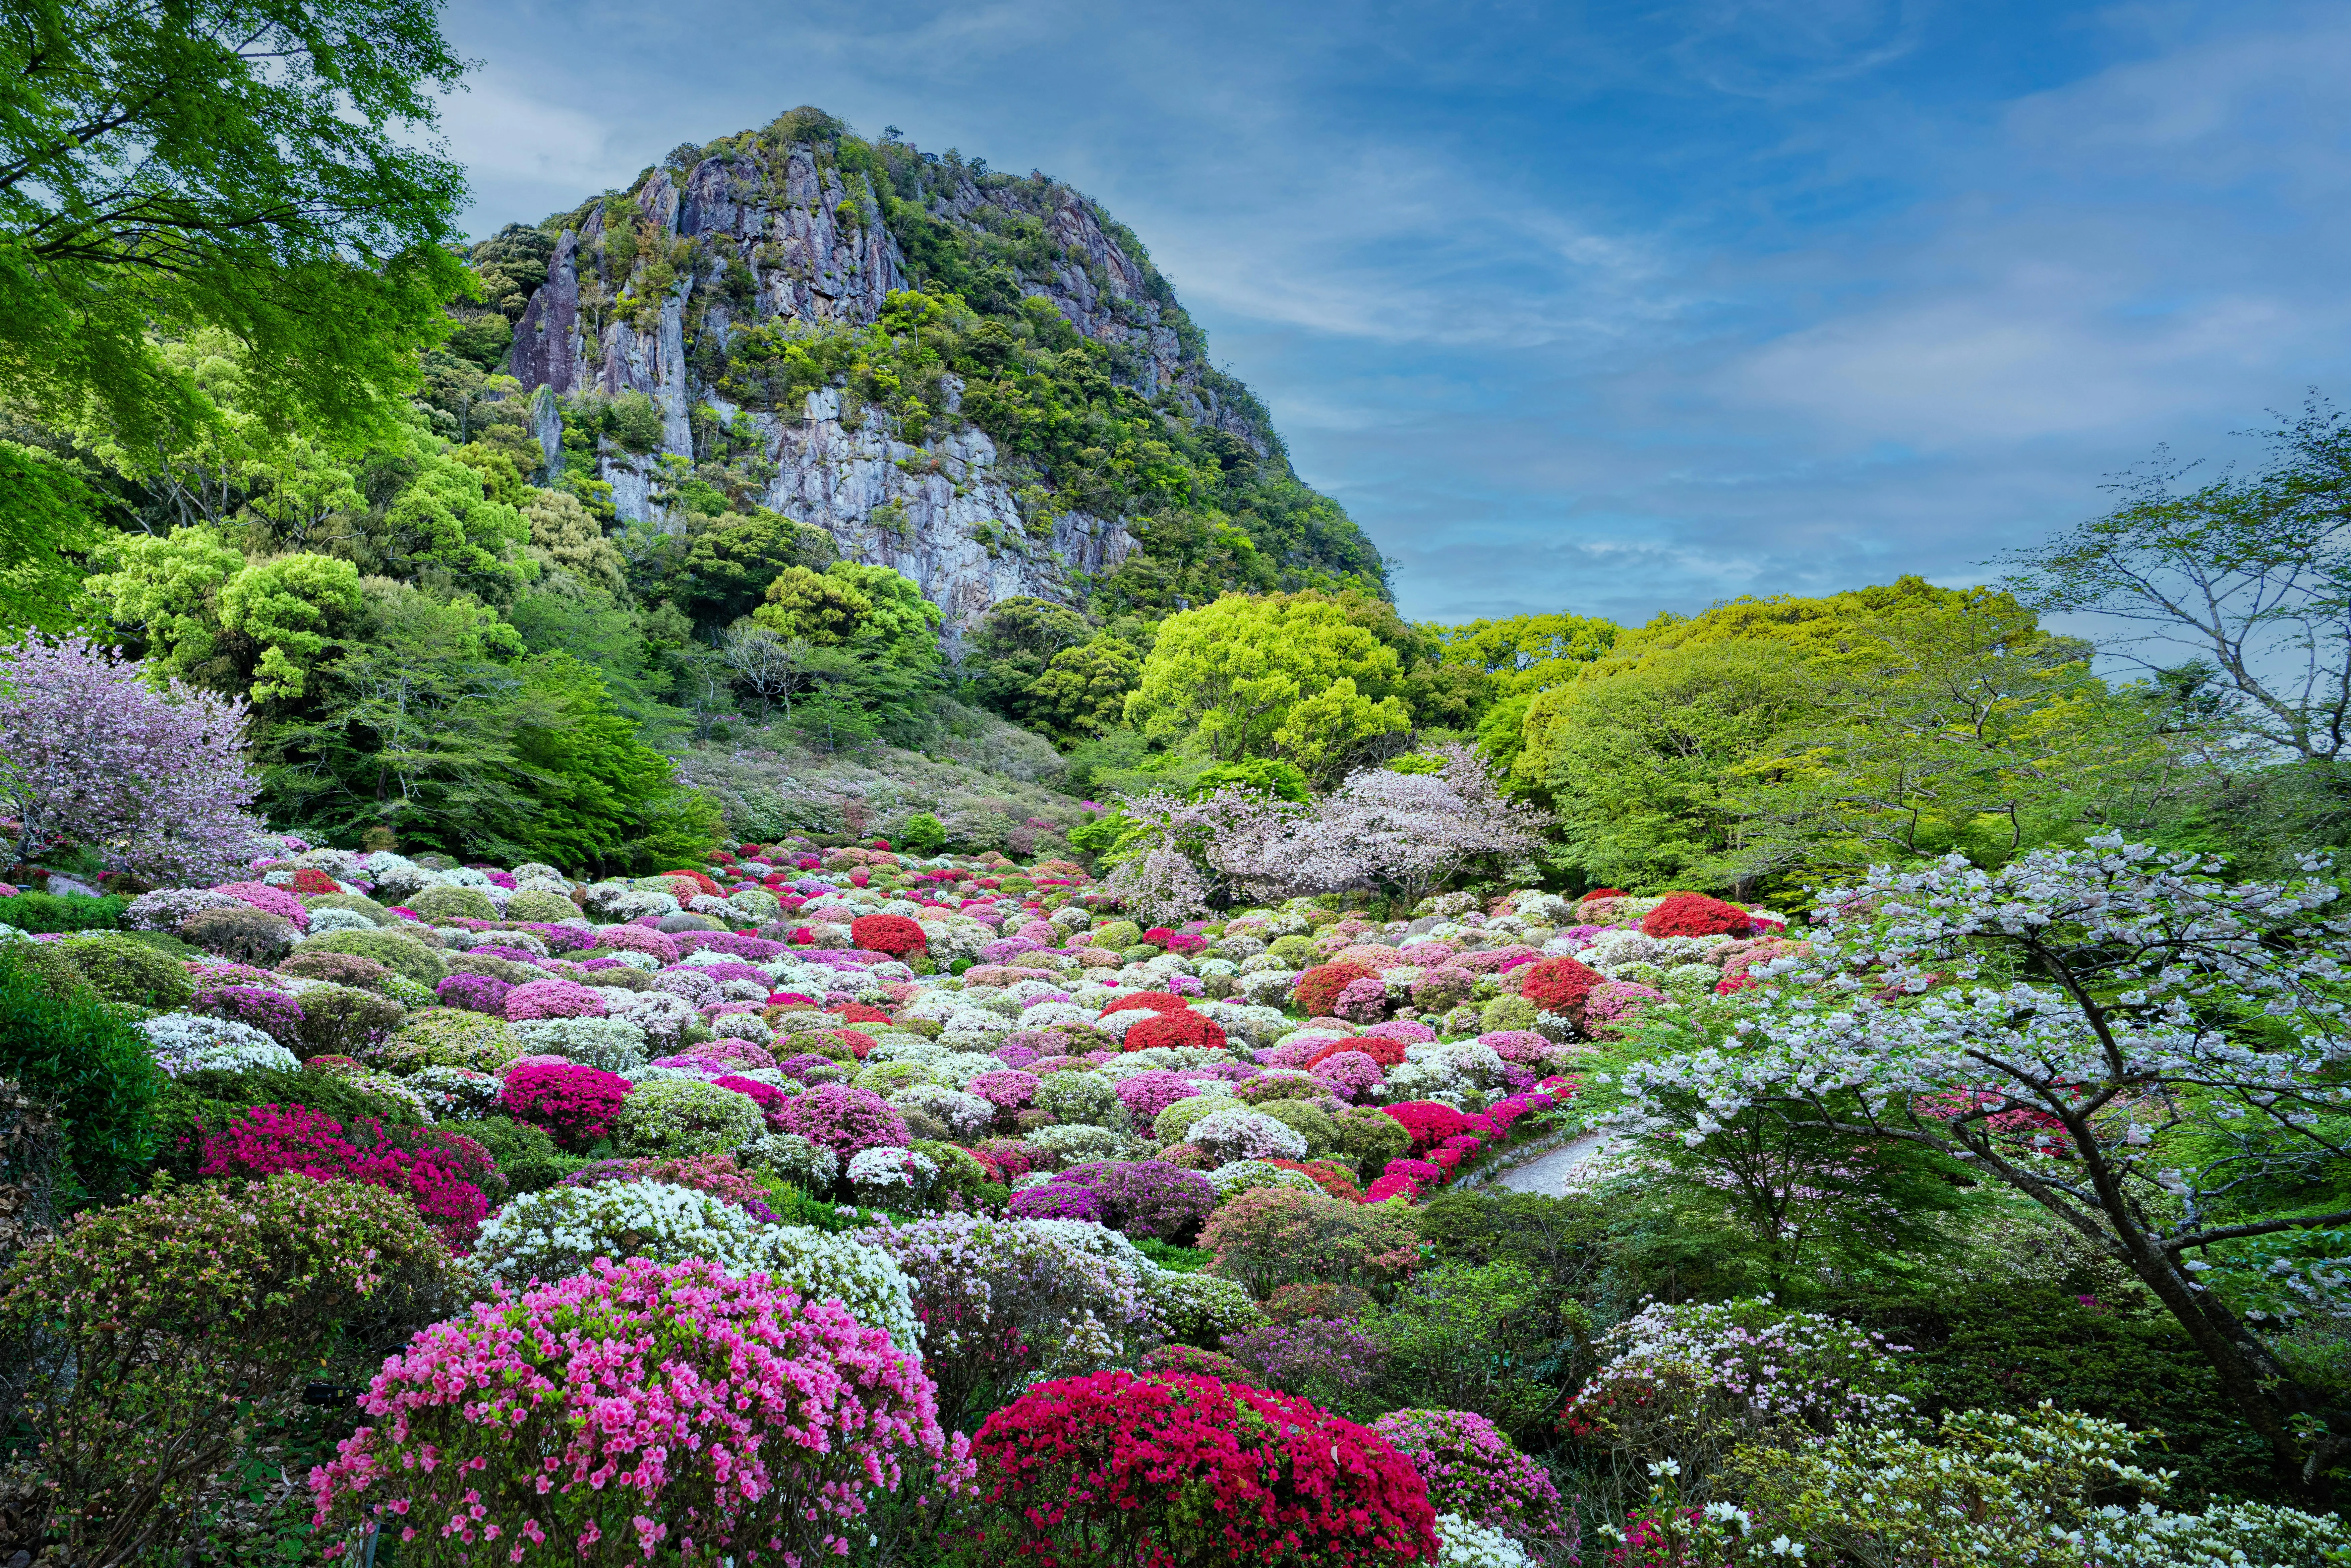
(633, 1412)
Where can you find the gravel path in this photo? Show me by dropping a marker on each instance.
(1548, 1175)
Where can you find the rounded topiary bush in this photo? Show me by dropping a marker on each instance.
(402, 954)
(577, 1105)
(354, 903)
(178, 1313)
(1555, 984)
(1319, 988)
(537, 1414)
(892, 933)
(1696, 915)
(444, 903)
(244, 936)
(680, 1116)
(540, 905)
(1077, 1469)
(125, 969)
(446, 1037)
(66, 1048)
(337, 968)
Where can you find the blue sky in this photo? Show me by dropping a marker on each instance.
(1618, 308)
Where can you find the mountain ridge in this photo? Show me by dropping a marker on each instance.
(1036, 416)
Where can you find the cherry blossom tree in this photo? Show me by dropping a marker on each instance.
(1402, 833)
(154, 779)
(2133, 1044)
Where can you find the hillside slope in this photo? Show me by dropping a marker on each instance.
(978, 379)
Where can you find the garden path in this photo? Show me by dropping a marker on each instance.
(1548, 1175)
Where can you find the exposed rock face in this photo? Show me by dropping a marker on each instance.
(944, 513)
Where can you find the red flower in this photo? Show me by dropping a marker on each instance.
(1431, 1124)
(1555, 984)
(861, 1012)
(709, 888)
(892, 933)
(1084, 1468)
(1157, 1001)
(858, 1043)
(1379, 1047)
(1318, 989)
(1696, 915)
(1183, 1028)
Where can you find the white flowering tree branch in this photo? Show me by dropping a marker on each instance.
(2084, 1026)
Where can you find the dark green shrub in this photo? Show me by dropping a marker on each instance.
(401, 954)
(194, 1101)
(446, 903)
(163, 942)
(44, 912)
(87, 1059)
(2008, 1346)
(240, 935)
(523, 1154)
(341, 1020)
(121, 969)
(170, 1319)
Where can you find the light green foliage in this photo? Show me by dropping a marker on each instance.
(265, 169)
(1468, 1337)
(400, 954)
(45, 512)
(731, 559)
(442, 904)
(563, 534)
(1083, 691)
(675, 1117)
(444, 517)
(450, 1036)
(1280, 675)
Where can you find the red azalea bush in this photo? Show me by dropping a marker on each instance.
(1079, 1471)
(1197, 1030)
(892, 933)
(862, 1012)
(1384, 1052)
(309, 881)
(1318, 989)
(702, 884)
(449, 1177)
(1157, 1001)
(1326, 1174)
(577, 1105)
(1555, 984)
(1696, 915)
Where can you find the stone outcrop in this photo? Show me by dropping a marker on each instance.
(943, 511)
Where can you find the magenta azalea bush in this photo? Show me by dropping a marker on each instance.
(842, 1118)
(637, 1413)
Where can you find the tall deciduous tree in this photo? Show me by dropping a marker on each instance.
(1282, 675)
(2125, 1040)
(266, 167)
(154, 780)
(2248, 576)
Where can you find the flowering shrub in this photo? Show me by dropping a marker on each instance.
(1145, 1094)
(1002, 1301)
(1148, 1002)
(1268, 1238)
(1328, 1360)
(1559, 985)
(1611, 1007)
(443, 1174)
(1362, 1002)
(166, 908)
(1319, 989)
(1201, 1309)
(636, 1401)
(1055, 1202)
(554, 999)
(450, 1093)
(1347, 1074)
(677, 1116)
(616, 1045)
(269, 901)
(184, 1043)
(445, 1037)
(842, 1118)
(892, 933)
(473, 994)
(1195, 1030)
(1696, 915)
(1146, 1197)
(1244, 1134)
(1076, 1471)
(1473, 1470)
(168, 1316)
(1431, 1124)
(577, 1105)
(1007, 1089)
(1691, 1382)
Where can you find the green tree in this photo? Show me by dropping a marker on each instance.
(731, 559)
(1011, 648)
(48, 515)
(823, 608)
(1082, 691)
(252, 628)
(2249, 575)
(1280, 676)
(266, 167)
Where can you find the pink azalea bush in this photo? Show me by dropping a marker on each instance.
(577, 1105)
(443, 1174)
(269, 901)
(554, 999)
(842, 1118)
(636, 1412)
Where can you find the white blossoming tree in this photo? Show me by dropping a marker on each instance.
(2119, 1035)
